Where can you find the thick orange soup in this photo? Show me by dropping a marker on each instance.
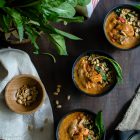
(77, 126)
(93, 74)
(122, 28)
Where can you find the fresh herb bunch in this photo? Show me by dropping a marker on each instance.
(30, 17)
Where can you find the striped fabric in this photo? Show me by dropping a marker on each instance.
(91, 6)
(94, 3)
(87, 10)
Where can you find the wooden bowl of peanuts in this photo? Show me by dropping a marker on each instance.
(24, 94)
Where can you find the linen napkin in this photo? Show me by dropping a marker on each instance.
(87, 10)
(130, 124)
(131, 120)
(15, 126)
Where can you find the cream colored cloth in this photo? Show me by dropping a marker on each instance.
(15, 126)
(131, 120)
(87, 10)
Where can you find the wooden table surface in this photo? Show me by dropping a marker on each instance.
(117, 101)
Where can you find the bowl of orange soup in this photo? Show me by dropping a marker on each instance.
(122, 27)
(81, 124)
(95, 73)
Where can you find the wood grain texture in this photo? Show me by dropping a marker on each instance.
(114, 104)
(15, 85)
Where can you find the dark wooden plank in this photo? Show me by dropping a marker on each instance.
(114, 104)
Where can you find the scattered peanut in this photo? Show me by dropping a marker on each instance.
(59, 86)
(68, 97)
(55, 93)
(58, 90)
(57, 102)
(59, 106)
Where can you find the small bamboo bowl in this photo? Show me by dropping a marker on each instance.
(16, 83)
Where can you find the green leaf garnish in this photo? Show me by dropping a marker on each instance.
(118, 11)
(99, 70)
(116, 66)
(137, 6)
(99, 124)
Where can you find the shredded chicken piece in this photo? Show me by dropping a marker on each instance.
(73, 129)
(78, 131)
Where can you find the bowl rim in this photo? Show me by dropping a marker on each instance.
(27, 76)
(73, 111)
(132, 6)
(87, 53)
